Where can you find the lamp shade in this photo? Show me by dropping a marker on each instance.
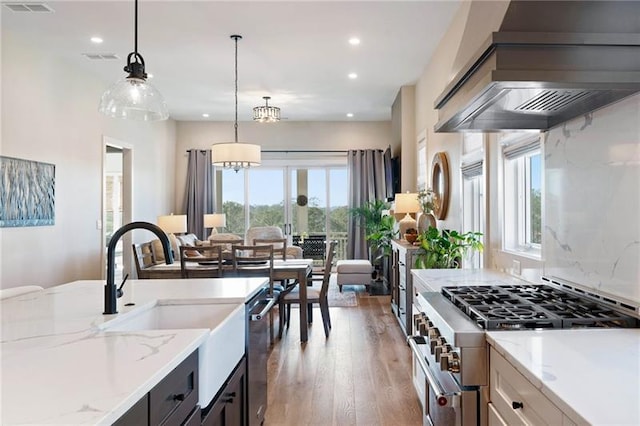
(215, 220)
(173, 224)
(134, 99)
(235, 155)
(407, 203)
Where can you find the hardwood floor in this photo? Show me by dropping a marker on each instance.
(360, 375)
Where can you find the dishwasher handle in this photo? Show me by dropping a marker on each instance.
(269, 304)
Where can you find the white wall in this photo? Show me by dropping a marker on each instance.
(49, 114)
(276, 136)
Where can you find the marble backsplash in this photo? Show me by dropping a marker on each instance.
(592, 202)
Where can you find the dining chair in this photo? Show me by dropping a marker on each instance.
(252, 261)
(314, 295)
(279, 246)
(201, 261)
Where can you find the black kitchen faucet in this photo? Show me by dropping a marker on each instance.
(111, 293)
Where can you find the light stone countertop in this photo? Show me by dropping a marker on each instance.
(592, 375)
(58, 367)
(435, 279)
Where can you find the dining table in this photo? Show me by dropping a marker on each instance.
(291, 269)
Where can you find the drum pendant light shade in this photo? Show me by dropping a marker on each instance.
(235, 155)
(133, 98)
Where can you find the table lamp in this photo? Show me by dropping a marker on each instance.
(173, 224)
(407, 203)
(215, 220)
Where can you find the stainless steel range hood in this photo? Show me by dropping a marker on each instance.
(549, 62)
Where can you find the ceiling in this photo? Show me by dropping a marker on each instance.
(296, 52)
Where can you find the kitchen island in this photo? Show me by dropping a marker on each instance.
(62, 365)
(551, 376)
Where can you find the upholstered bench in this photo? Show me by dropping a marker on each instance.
(356, 271)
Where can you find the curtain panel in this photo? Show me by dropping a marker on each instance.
(199, 192)
(366, 183)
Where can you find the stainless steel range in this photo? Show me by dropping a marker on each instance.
(449, 347)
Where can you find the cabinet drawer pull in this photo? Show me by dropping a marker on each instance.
(516, 405)
(178, 397)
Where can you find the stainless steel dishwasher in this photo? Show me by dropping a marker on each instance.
(257, 346)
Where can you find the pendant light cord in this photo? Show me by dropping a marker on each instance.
(135, 28)
(235, 126)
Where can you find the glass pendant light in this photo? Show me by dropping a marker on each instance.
(133, 98)
(235, 155)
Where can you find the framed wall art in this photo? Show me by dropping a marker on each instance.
(27, 193)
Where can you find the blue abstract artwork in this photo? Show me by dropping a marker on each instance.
(27, 193)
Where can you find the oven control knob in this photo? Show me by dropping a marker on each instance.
(450, 362)
(454, 363)
(422, 327)
(434, 332)
(435, 342)
(445, 361)
(438, 352)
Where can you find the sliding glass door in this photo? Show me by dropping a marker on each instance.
(305, 202)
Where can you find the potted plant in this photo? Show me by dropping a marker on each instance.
(378, 230)
(411, 235)
(444, 250)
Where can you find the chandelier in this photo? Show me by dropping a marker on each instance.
(133, 98)
(235, 155)
(266, 113)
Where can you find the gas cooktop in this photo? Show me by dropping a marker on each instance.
(533, 306)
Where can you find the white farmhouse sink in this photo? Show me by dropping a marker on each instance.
(217, 356)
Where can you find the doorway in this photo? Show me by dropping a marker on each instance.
(117, 205)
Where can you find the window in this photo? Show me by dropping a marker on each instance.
(233, 200)
(422, 161)
(523, 197)
(473, 201)
(473, 207)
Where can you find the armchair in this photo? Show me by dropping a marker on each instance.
(271, 233)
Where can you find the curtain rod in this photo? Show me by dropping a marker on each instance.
(341, 151)
(303, 151)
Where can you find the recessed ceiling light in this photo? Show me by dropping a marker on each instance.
(205, 115)
(349, 114)
(96, 40)
(353, 75)
(354, 41)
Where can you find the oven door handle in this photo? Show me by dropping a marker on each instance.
(433, 382)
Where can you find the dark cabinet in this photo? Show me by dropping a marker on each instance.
(137, 415)
(403, 258)
(172, 402)
(229, 406)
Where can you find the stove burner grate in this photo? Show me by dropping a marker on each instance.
(512, 307)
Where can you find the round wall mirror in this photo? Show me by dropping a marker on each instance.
(440, 184)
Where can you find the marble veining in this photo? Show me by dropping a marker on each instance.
(592, 375)
(435, 279)
(592, 200)
(63, 368)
